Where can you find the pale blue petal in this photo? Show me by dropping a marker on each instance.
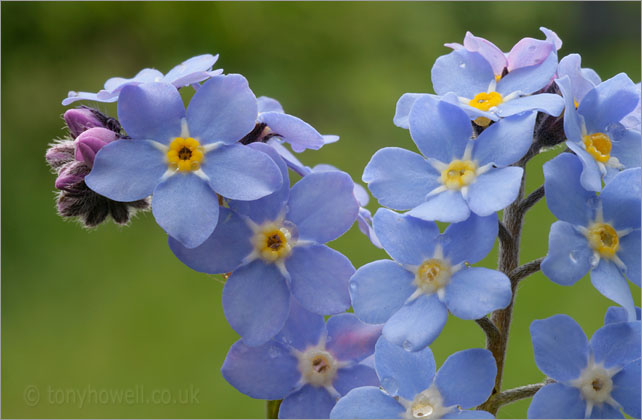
(223, 109)
(186, 208)
(302, 328)
(621, 200)
(530, 52)
(495, 57)
(115, 84)
(467, 378)
(307, 403)
(152, 111)
(191, 70)
(547, 103)
(560, 347)
(402, 372)
(610, 282)
(463, 72)
(629, 252)
(529, 79)
(379, 289)
(506, 141)
(565, 196)
(476, 291)
(74, 96)
(616, 345)
(406, 239)
(270, 207)
(571, 66)
(367, 402)
(439, 129)
(402, 111)
(608, 103)
(494, 190)
(470, 240)
(223, 251)
(293, 130)
(322, 206)
(253, 316)
(266, 104)
(606, 411)
(572, 120)
(569, 255)
(350, 339)
(400, 179)
(355, 376)
(319, 278)
(126, 170)
(557, 401)
(417, 324)
(448, 206)
(241, 173)
(268, 371)
(618, 314)
(626, 389)
(625, 145)
(591, 178)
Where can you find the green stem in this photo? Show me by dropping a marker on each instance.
(272, 409)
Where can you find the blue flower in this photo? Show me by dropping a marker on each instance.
(428, 277)
(459, 175)
(411, 389)
(489, 84)
(191, 71)
(594, 131)
(600, 234)
(309, 364)
(274, 246)
(185, 157)
(594, 379)
(632, 120)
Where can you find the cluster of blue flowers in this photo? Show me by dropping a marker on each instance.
(216, 175)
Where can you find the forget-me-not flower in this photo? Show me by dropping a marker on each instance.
(429, 277)
(594, 379)
(309, 364)
(594, 130)
(458, 174)
(412, 389)
(581, 80)
(185, 157)
(490, 85)
(274, 249)
(600, 234)
(191, 71)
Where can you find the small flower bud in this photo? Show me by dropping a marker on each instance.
(60, 153)
(89, 142)
(81, 119)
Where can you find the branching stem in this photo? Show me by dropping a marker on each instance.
(491, 331)
(525, 270)
(515, 394)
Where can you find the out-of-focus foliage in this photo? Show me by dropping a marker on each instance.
(113, 309)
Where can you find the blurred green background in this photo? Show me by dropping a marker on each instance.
(112, 310)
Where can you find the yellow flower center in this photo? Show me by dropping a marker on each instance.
(603, 239)
(459, 174)
(485, 101)
(185, 154)
(432, 275)
(599, 146)
(273, 242)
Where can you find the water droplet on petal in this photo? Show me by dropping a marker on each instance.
(407, 345)
(573, 256)
(462, 65)
(390, 385)
(273, 352)
(354, 286)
